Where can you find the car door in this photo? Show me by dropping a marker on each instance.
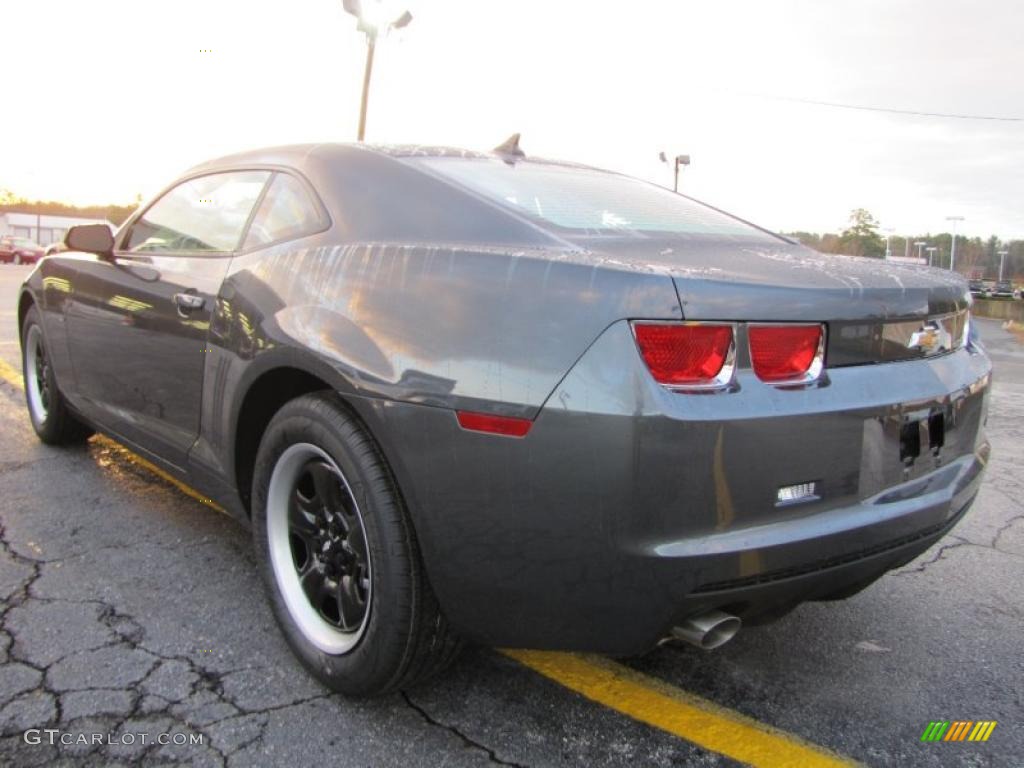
(138, 321)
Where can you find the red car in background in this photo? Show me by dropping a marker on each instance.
(19, 250)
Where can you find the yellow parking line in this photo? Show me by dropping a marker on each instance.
(12, 376)
(682, 714)
(134, 458)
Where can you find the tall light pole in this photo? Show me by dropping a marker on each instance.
(1002, 261)
(920, 244)
(931, 252)
(888, 239)
(371, 23)
(677, 161)
(952, 252)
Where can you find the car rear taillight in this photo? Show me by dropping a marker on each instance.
(786, 353)
(687, 355)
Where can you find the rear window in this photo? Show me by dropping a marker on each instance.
(286, 212)
(586, 200)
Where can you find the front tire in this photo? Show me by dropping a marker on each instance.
(338, 554)
(51, 419)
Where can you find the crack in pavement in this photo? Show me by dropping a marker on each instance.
(193, 697)
(128, 635)
(1003, 529)
(940, 554)
(466, 740)
(961, 541)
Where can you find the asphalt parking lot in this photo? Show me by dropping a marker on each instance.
(130, 608)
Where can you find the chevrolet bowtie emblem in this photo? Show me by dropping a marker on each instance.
(930, 338)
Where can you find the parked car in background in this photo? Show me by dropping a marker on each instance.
(1003, 290)
(19, 250)
(530, 403)
(978, 289)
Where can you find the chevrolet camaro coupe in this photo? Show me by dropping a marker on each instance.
(462, 395)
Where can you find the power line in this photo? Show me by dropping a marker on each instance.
(865, 108)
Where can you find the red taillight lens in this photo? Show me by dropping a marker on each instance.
(496, 425)
(783, 352)
(685, 355)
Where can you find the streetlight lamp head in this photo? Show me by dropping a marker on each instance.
(376, 16)
(676, 162)
(371, 20)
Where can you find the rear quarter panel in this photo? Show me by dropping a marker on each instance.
(446, 327)
(450, 327)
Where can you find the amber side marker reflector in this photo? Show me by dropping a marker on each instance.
(495, 425)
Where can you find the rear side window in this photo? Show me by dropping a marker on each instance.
(204, 214)
(287, 212)
(586, 200)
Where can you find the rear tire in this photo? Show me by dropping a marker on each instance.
(51, 419)
(339, 556)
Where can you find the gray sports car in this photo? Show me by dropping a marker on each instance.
(528, 403)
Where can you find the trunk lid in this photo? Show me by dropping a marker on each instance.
(876, 311)
(771, 280)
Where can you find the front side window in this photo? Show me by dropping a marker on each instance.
(587, 200)
(286, 212)
(202, 215)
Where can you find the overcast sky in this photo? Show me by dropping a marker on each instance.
(108, 98)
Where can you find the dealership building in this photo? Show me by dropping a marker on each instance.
(43, 228)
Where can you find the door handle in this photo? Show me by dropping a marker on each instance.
(187, 302)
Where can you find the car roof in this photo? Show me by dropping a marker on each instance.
(301, 155)
(352, 179)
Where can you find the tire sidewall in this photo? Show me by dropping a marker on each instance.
(49, 427)
(378, 655)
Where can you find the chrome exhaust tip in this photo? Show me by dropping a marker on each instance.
(708, 630)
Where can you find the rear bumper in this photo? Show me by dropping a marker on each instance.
(628, 507)
(893, 532)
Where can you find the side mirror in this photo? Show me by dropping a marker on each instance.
(91, 238)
